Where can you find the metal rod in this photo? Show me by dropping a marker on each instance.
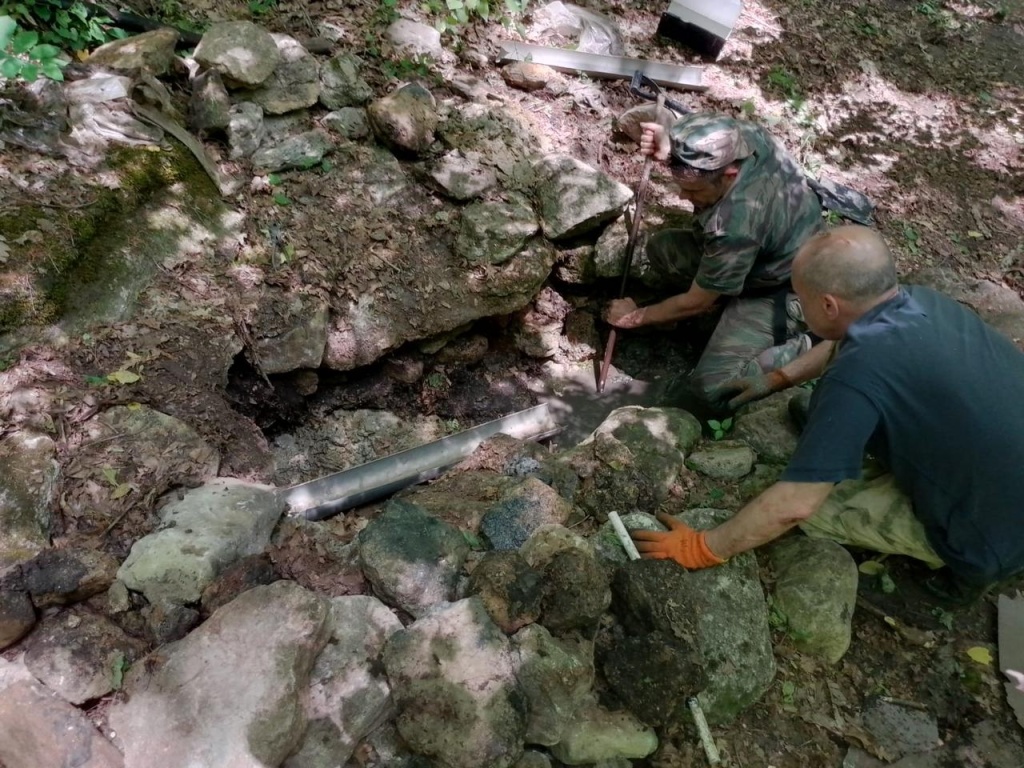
(599, 65)
(326, 496)
(634, 230)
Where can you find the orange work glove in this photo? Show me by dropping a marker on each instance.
(680, 543)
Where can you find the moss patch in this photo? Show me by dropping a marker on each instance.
(56, 252)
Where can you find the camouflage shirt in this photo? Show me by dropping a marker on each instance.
(751, 235)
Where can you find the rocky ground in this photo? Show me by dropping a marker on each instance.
(313, 316)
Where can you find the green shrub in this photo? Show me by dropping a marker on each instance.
(23, 56)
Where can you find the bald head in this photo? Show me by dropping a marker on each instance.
(852, 263)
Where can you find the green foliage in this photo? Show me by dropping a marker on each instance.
(453, 14)
(261, 7)
(77, 27)
(784, 82)
(23, 56)
(118, 666)
(788, 693)
(945, 617)
(912, 236)
(719, 428)
(406, 68)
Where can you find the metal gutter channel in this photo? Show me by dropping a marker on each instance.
(327, 496)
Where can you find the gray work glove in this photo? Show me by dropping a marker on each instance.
(755, 387)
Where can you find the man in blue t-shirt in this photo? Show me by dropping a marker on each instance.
(922, 384)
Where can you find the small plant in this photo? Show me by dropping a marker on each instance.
(261, 7)
(788, 693)
(405, 68)
(23, 56)
(719, 428)
(785, 82)
(944, 617)
(878, 570)
(912, 237)
(74, 26)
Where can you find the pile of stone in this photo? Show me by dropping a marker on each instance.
(469, 623)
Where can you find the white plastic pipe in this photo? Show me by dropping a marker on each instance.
(623, 534)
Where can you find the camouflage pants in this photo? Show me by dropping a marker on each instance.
(743, 343)
(873, 514)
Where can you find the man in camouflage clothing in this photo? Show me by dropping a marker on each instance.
(753, 210)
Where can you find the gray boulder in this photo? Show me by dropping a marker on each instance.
(520, 511)
(17, 616)
(726, 460)
(509, 589)
(209, 105)
(411, 38)
(246, 129)
(556, 677)
(548, 540)
(28, 487)
(348, 693)
(573, 198)
(492, 233)
(64, 576)
(151, 52)
(80, 656)
(412, 560)
(462, 176)
(596, 734)
(765, 425)
(537, 329)
(606, 543)
(341, 85)
(815, 592)
(294, 83)
(200, 535)
(289, 332)
(349, 122)
(406, 119)
(230, 692)
(453, 677)
(576, 592)
(301, 151)
(239, 50)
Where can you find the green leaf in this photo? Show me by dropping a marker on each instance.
(871, 568)
(887, 584)
(274, 179)
(719, 434)
(714, 424)
(123, 377)
(7, 29)
(110, 475)
(326, 166)
(471, 5)
(484, 10)
(95, 381)
(30, 72)
(52, 70)
(121, 490)
(454, 5)
(727, 424)
(282, 199)
(41, 52)
(24, 41)
(10, 67)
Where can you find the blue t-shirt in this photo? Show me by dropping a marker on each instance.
(938, 397)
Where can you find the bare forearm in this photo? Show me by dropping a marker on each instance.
(811, 364)
(679, 307)
(767, 517)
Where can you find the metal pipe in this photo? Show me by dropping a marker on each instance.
(327, 496)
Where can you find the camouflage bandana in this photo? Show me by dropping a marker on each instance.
(707, 142)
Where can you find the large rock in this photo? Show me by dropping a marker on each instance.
(596, 734)
(537, 329)
(151, 52)
(209, 528)
(461, 499)
(492, 233)
(510, 590)
(520, 511)
(209, 105)
(239, 50)
(722, 609)
(294, 83)
(28, 487)
(348, 693)
(548, 540)
(453, 677)
(406, 119)
(341, 85)
(229, 694)
(300, 151)
(80, 656)
(573, 198)
(463, 176)
(576, 592)
(246, 129)
(556, 677)
(412, 38)
(815, 592)
(765, 425)
(726, 460)
(290, 331)
(633, 459)
(63, 576)
(37, 729)
(17, 616)
(412, 560)
(349, 122)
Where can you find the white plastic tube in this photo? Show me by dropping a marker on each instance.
(710, 748)
(623, 534)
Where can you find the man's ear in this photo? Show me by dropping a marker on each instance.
(831, 306)
(731, 170)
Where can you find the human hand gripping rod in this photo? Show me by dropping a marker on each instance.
(634, 229)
